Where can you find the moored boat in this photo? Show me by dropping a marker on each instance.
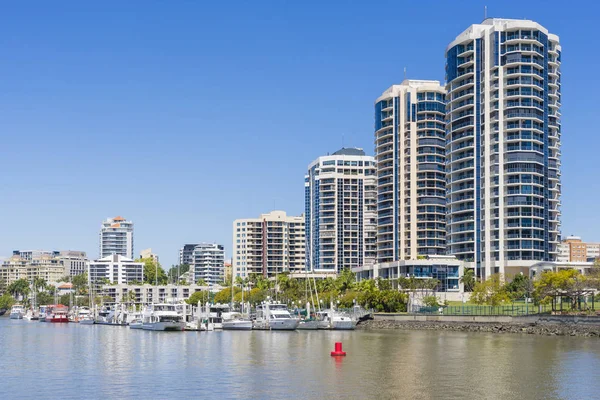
(17, 311)
(162, 317)
(274, 316)
(57, 313)
(234, 321)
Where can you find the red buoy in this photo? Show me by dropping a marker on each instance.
(338, 350)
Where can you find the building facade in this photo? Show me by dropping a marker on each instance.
(51, 265)
(573, 249)
(35, 264)
(74, 262)
(271, 244)
(147, 253)
(411, 180)
(147, 294)
(116, 237)
(208, 263)
(116, 269)
(503, 145)
(185, 253)
(340, 211)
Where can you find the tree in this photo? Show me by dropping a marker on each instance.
(150, 269)
(468, 279)
(519, 287)
(6, 301)
(346, 280)
(491, 291)
(568, 283)
(80, 283)
(131, 297)
(39, 284)
(201, 282)
(176, 271)
(44, 298)
(199, 296)
(18, 288)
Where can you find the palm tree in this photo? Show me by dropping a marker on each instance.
(468, 280)
(18, 288)
(39, 284)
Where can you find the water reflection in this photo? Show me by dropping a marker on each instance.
(68, 360)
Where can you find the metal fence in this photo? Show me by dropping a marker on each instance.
(475, 310)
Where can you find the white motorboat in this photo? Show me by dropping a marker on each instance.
(336, 320)
(308, 324)
(234, 321)
(17, 311)
(135, 320)
(162, 317)
(42, 313)
(87, 320)
(31, 315)
(274, 316)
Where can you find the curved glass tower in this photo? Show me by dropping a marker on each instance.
(503, 145)
(411, 181)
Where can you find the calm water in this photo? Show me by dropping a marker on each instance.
(42, 361)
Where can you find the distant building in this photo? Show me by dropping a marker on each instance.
(228, 269)
(573, 249)
(185, 253)
(271, 244)
(341, 211)
(49, 265)
(74, 262)
(117, 269)
(145, 294)
(208, 263)
(147, 253)
(116, 237)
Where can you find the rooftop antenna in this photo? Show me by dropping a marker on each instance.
(405, 73)
(484, 13)
(342, 140)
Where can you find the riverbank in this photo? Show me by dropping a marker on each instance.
(535, 328)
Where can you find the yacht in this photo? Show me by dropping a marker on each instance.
(17, 311)
(336, 320)
(162, 317)
(234, 321)
(115, 316)
(87, 320)
(57, 313)
(79, 313)
(136, 320)
(275, 317)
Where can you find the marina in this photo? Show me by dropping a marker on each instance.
(118, 363)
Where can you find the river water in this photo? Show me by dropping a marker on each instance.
(62, 361)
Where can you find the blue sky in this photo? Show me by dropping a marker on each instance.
(183, 116)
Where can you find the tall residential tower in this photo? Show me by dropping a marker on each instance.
(116, 237)
(340, 211)
(503, 145)
(411, 180)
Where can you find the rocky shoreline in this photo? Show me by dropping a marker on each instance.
(545, 329)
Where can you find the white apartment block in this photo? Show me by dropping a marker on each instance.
(147, 294)
(271, 244)
(117, 269)
(503, 85)
(410, 140)
(116, 237)
(208, 263)
(340, 211)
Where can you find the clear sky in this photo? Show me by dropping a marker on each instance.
(183, 116)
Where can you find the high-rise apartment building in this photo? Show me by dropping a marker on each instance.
(115, 269)
(271, 244)
(116, 237)
(503, 145)
(411, 181)
(208, 263)
(340, 211)
(185, 253)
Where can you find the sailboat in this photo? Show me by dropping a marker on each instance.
(235, 320)
(308, 323)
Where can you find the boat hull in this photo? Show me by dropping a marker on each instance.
(136, 325)
(164, 326)
(57, 320)
(16, 315)
(308, 325)
(237, 325)
(284, 324)
(86, 322)
(344, 323)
